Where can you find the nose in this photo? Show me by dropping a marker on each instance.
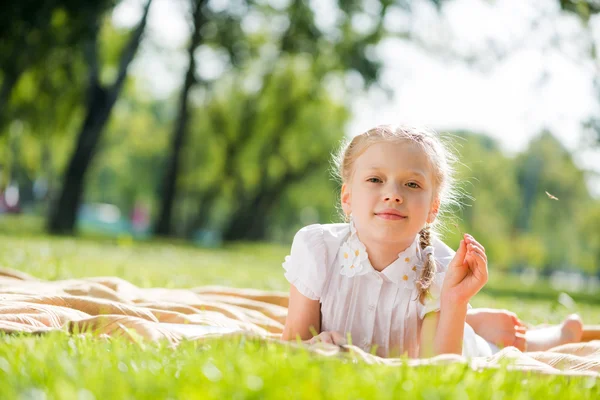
(393, 195)
(393, 199)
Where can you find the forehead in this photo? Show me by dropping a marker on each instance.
(396, 157)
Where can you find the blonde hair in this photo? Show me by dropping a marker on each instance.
(442, 160)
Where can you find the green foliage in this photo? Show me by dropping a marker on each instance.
(242, 144)
(131, 152)
(507, 208)
(491, 193)
(547, 167)
(584, 9)
(44, 38)
(261, 134)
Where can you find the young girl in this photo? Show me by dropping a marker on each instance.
(383, 279)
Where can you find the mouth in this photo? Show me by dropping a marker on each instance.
(390, 214)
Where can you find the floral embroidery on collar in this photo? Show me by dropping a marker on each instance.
(410, 266)
(353, 255)
(404, 271)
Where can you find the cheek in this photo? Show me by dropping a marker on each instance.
(423, 202)
(366, 198)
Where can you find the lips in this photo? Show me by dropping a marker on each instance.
(390, 214)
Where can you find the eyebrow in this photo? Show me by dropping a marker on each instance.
(410, 171)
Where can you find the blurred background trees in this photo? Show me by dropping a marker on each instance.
(241, 151)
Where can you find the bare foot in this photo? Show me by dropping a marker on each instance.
(572, 329)
(542, 339)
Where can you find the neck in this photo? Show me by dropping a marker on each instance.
(383, 254)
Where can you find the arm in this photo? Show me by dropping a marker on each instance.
(442, 332)
(303, 316)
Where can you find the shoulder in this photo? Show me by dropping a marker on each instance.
(327, 236)
(313, 251)
(319, 242)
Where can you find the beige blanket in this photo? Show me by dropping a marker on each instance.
(111, 306)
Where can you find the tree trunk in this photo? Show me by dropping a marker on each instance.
(250, 221)
(101, 100)
(168, 188)
(62, 219)
(205, 205)
(8, 83)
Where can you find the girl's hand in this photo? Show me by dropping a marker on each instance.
(467, 272)
(328, 337)
(500, 327)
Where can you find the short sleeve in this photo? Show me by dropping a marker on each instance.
(432, 303)
(443, 255)
(306, 266)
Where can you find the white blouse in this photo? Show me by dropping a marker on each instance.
(379, 311)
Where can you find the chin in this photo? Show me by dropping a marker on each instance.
(390, 232)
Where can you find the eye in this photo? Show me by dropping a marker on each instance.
(374, 180)
(413, 185)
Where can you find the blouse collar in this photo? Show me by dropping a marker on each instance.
(403, 271)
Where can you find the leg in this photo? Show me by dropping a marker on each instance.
(570, 331)
(503, 328)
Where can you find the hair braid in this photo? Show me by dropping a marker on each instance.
(428, 270)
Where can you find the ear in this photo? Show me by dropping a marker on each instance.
(433, 211)
(345, 197)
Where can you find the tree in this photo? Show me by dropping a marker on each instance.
(236, 163)
(168, 187)
(546, 171)
(132, 146)
(330, 52)
(490, 197)
(44, 29)
(585, 10)
(100, 101)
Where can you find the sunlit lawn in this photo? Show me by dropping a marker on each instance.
(60, 367)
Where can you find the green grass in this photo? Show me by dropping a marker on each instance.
(57, 366)
(76, 367)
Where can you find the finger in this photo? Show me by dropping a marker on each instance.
(328, 338)
(519, 325)
(469, 260)
(338, 338)
(474, 241)
(478, 249)
(478, 266)
(476, 246)
(520, 342)
(461, 252)
(476, 261)
(516, 321)
(478, 253)
(325, 337)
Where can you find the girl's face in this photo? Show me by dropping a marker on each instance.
(391, 193)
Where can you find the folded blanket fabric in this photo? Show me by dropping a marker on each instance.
(110, 306)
